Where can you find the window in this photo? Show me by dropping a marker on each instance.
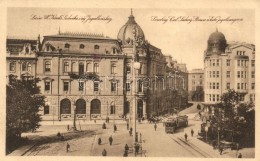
(47, 66)
(209, 85)
(114, 50)
(228, 74)
(209, 97)
(66, 67)
(12, 67)
(96, 86)
(217, 74)
(67, 45)
(24, 66)
(128, 86)
(29, 67)
(96, 47)
(217, 86)
(252, 74)
(245, 86)
(238, 62)
(253, 86)
(128, 68)
(228, 62)
(210, 74)
(81, 68)
(213, 98)
(96, 68)
(213, 86)
(238, 74)
(213, 62)
(73, 67)
(47, 86)
(113, 68)
(81, 46)
(252, 63)
(242, 85)
(81, 86)
(228, 85)
(213, 74)
(238, 85)
(26, 49)
(46, 110)
(242, 74)
(87, 67)
(245, 74)
(217, 97)
(65, 86)
(252, 97)
(112, 109)
(113, 86)
(217, 62)
(242, 63)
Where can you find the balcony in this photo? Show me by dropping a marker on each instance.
(84, 75)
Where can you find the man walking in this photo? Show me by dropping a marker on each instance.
(104, 153)
(155, 126)
(67, 147)
(192, 132)
(110, 140)
(186, 136)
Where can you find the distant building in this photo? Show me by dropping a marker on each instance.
(228, 66)
(196, 85)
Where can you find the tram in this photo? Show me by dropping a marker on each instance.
(174, 122)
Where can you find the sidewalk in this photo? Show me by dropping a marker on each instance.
(81, 122)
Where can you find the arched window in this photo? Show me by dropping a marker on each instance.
(95, 106)
(87, 67)
(81, 106)
(96, 68)
(81, 46)
(24, 66)
(66, 66)
(81, 68)
(47, 66)
(29, 67)
(12, 67)
(73, 67)
(67, 45)
(96, 47)
(65, 106)
(113, 68)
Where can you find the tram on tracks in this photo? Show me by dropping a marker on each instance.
(174, 122)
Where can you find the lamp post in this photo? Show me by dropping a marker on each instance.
(74, 128)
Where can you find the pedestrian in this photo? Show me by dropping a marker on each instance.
(99, 141)
(127, 126)
(137, 149)
(104, 126)
(110, 140)
(240, 155)
(104, 153)
(186, 136)
(155, 126)
(143, 118)
(58, 135)
(115, 128)
(126, 147)
(68, 127)
(220, 150)
(67, 147)
(192, 132)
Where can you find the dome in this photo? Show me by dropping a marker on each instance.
(126, 33)
(216, 43)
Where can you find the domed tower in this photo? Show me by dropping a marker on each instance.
(126, 33)
(216, 43)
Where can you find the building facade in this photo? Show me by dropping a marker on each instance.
(196, 85)
(228, 66)
(90, 76)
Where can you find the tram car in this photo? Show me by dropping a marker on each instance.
(174, 122)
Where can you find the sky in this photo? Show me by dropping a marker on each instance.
(185, 41)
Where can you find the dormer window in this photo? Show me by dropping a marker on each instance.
(67, 45)
(81, 46)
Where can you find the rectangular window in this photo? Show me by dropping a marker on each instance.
(128, 86)
(253, 86)
(245, 74)
(209, 85)
(210, 74)
(245, 86)
(217, 62)
(213, 98)
(238, 62)
(217, 85)
(47, 66)
(46, 110)
(209, 97)
(228, 74)
(96, 86)
(228, 62)
(213, 86)
(238, 85)
(238, 74)
(213, 62)
(113, 86)
(252, 97)
(47, 86)
(217, 97)
(252, 63)
(242, 74)
(65, 86)
(253, 74)
(242, 85)
(213, 74)
(81, 86)
(228, 85)
(217, 74)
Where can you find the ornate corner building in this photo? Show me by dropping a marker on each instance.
(228, 66)
(92, 76)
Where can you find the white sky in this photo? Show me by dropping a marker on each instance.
(185, 42)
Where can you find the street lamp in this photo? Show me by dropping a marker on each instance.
(74, 128)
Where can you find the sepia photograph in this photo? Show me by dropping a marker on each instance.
(130, 82)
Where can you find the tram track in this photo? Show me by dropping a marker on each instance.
(190, 148)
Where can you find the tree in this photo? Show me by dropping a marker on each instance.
(22, 106)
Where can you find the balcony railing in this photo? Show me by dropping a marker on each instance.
(83, 75)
